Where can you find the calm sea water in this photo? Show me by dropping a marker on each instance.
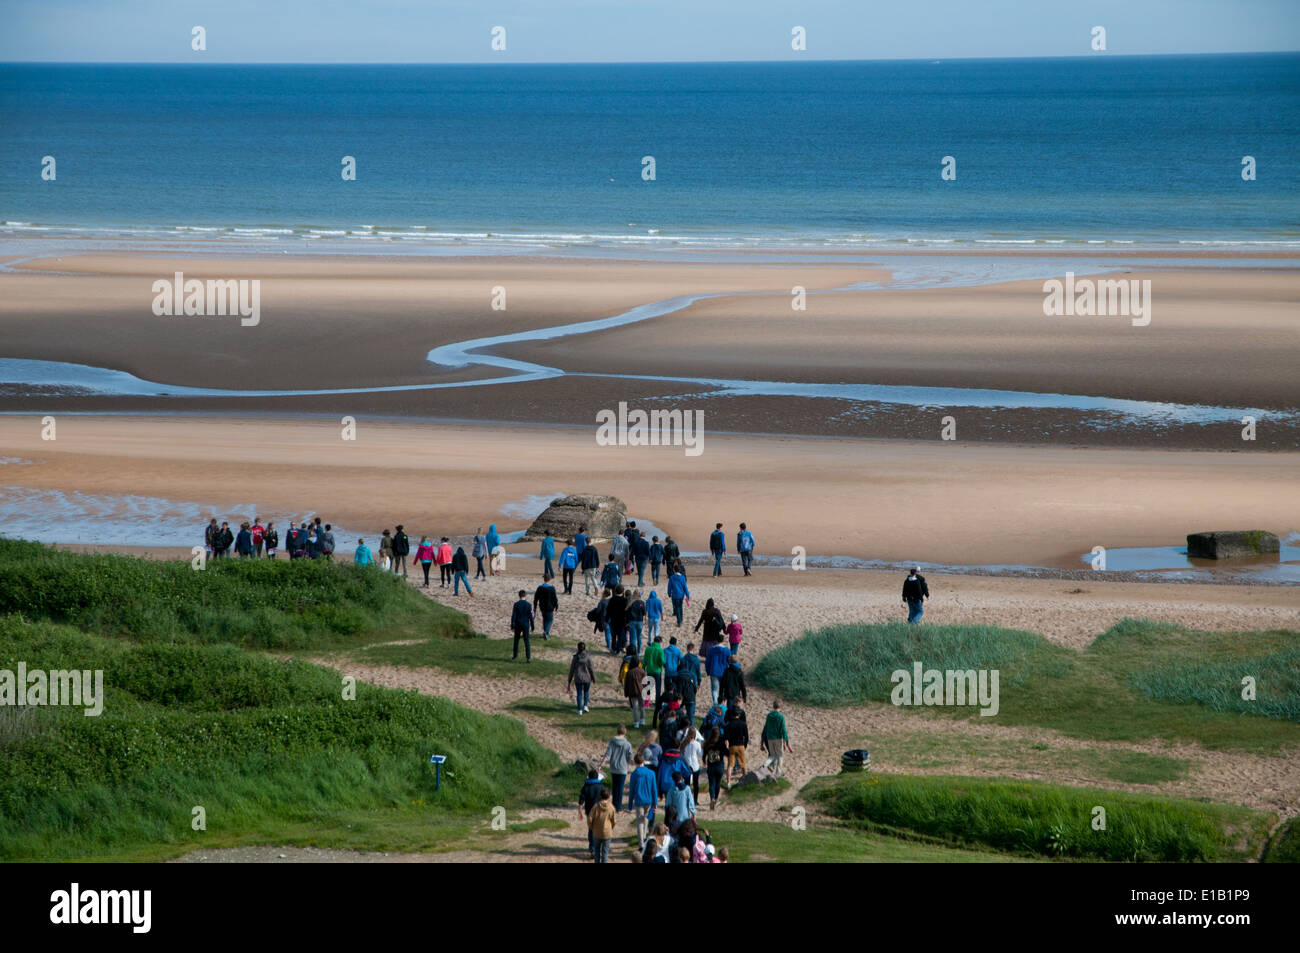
(1103, 149)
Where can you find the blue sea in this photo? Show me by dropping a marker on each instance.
(1087, 151)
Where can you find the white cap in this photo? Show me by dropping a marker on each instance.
(734, 617)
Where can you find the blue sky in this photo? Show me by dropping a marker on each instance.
(459, 31)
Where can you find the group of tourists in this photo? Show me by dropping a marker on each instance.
(308, 540)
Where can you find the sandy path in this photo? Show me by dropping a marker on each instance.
(775, 613)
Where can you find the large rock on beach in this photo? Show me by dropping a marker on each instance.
(1232, 543)
(604, 517)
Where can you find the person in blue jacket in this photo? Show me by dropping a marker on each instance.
(568, 565)
(718, 546)
(745, 546)
(363, 556)
(580, 539)
(643, 795)
(493, 543)
(677, 591)
(546, 555)
(654, 611)
(672, 663)
(715, 664)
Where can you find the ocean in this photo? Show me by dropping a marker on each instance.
(1087, 151)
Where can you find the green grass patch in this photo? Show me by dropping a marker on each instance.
(597, 725)
(771, 842)
(268, 748)
(1135, 682)
(1045, 819)
(261, 604)
(1284, 848)
(750, 793)
(474, 655)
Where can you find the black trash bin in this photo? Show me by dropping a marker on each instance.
(859, 759)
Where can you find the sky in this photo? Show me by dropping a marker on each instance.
(569, 31)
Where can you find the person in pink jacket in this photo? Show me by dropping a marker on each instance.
(443, 559)
(734, 634)
(424, 556)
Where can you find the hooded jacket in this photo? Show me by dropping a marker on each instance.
(581, 671)
(362, 556)
(568, 558)
(654, 607)
(718, 659)
(589, 558)
(460, 562)
(548, 548)
(677, 587)
(493, 538)
(732, 684)
(642, 788)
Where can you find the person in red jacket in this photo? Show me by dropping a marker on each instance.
(443, 559)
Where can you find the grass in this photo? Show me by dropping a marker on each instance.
(268, 748)
(930, 750)
(259, 604)
(772, 842)
(1284, 848)
(477, 655)
(750, 793)
(1046, 820)
(598, 725)
(1139, 680)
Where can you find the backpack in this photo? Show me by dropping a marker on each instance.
(623, 670)
(593, 614)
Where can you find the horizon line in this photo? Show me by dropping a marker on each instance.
(497, 62)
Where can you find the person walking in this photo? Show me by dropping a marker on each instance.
(636, 616)
(915, 591)
(402, 549)
(643, 796)
(602, 820)
(640, 556)
(386, 550)
(672, 554)
(718, 547)
(424, 556)
(612, 575)
(547, 555)
(679, 800)
(460, 571)
(479, 551)
(737, 735)
(443, 559)
(580, 540)
(712, 622)
(271, 540)
(589, 561)
(521, 624)
(734, 634)
(732, 684)
(361, 556)
(619, 753)
(634, 692)
(546, 602)
(745, 546)
(654, 611)
(672, 660)
(581, 674)
(678, 592)
(656, 559)
(688, 680)
(568, 565)
(716, 659)
(588, 798)
(715, 764)
(618, 551)
(775, 738)
(693, 758)
(493, 542)
(653, 662)
(616, 619)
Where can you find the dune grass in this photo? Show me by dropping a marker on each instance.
(461, 656)
(1139, 680)
(257, 604)
(1046, 820)
(270, 749)
(1284, 848)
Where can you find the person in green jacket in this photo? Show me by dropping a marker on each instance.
(775, 738)
(653, 663)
